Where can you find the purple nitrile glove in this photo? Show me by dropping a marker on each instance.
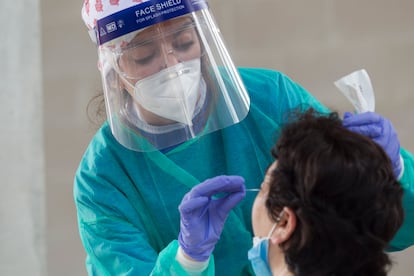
(203, 215)
(380, 130)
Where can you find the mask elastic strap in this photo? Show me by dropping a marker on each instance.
(272, 230)
(275, 224)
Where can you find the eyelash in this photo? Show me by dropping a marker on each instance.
(180, 47)
(146, 60)
(183, 46)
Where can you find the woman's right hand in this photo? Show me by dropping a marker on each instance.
(204, 210)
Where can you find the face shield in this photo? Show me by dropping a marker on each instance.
(166, 74)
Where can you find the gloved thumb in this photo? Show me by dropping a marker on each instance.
(347, 115)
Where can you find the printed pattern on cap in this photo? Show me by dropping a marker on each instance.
(93, 10)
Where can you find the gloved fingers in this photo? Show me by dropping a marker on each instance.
(366, 118)
(371, 131)
(225, 204)
(219, 184)
(193, 207)
(389, 129)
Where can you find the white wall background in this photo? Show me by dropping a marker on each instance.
(314, 42)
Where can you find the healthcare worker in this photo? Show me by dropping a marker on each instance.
(179, 113)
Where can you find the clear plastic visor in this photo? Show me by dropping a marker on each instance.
(170, 82)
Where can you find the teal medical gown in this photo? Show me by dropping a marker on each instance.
(127, 201)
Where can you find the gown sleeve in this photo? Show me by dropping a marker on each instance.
(113, 221)
(404, 237)
(114, 225)
(168, 265)
(112, 233)
(114, 241)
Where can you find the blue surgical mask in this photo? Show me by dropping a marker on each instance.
(258, 254)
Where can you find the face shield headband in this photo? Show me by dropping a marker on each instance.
(141, 16)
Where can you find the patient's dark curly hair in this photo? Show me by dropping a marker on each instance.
(342, 189)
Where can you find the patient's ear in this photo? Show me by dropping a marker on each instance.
(285, 227)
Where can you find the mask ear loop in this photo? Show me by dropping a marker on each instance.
(272, 230)
(275, 224)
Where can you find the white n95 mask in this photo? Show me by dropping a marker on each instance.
(171, 93)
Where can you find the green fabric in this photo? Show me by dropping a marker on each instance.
(405, 237)
(168, 266)
(127, 201)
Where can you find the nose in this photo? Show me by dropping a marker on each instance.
(170, 57)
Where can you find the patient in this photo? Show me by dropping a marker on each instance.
(328, 205)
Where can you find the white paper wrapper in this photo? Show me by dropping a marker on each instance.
(357, 88)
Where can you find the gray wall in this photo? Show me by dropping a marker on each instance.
(22, 196)
(314, 42)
